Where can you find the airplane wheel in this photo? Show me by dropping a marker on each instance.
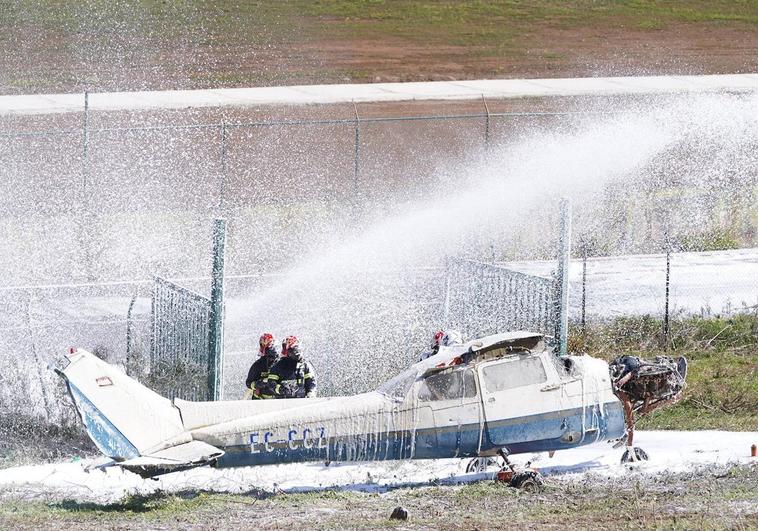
(529, 481)
(639, 455)
(480, 464)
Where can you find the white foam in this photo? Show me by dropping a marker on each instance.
(669, 451)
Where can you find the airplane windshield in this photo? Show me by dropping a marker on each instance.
(398, 387)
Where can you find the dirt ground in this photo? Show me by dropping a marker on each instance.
(726, 497)
(582, 52)
(73, 46)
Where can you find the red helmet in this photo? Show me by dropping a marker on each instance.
(266, 341)
(439, 336)
(446, 339)
(290, 343)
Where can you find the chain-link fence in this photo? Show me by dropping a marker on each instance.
(705, 284)
(40, 322)
(404, 305)
(106, 196)
(483, 299)
(661, 294)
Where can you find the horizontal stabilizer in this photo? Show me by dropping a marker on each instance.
(180, 457)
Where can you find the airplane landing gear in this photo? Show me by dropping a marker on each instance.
(632, 454)
(643, 386)
(527, 479)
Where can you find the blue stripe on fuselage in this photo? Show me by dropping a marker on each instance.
(533, 433)
(108, 439)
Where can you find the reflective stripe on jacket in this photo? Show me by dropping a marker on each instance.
(291, 379)
(256, 376)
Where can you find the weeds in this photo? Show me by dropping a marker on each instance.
(27, 439)
(705, 497)
(703, 335)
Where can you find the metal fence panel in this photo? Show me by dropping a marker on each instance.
(487, 298)
(180, 350)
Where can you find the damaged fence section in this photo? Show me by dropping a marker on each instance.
(180, 348)
(482, 299)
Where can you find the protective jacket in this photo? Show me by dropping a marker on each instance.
(429, 353)
(259, 370)
(291, 378)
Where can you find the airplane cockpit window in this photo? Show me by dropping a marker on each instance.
(512, 374)
(398, 387)
(447, 385)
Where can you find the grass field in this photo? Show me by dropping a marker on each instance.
(66, 46)
(722, 380)
(492, 24)
(704, 499)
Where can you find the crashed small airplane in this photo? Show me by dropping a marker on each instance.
(498, 395)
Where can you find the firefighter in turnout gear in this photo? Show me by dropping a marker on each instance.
(256, 376)
(291, 376)
(442, 338)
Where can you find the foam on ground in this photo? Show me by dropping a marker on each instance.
(669, 451)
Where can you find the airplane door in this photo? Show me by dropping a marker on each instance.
(456, 408)
(520, 396)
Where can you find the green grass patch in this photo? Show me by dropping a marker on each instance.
(650, 24)
(477, 22)
(722, 380)
(156, 506)
(487, 23)
(485, 490)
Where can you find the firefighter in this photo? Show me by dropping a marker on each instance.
(259, 370)
(291, 376)
(442, 339)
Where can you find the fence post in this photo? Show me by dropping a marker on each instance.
(222, 177)
(564, 255)
(85, 146)
(666, 331)
(584, 289)
(357, 156)
(153, 324)
(216, 328)
(38, 363)
(129, 334)
(486, 123)
(446, 309)
(86, 220)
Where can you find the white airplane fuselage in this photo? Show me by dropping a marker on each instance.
(465, 401)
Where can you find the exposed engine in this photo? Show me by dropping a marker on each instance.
(643, 386)
(648, 384)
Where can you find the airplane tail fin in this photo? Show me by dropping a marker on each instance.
(125, 419)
